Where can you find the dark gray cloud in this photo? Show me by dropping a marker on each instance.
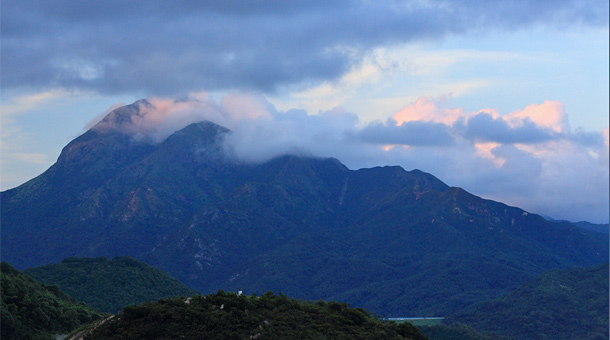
(586, 138)
(150, 47)
(414, 133)
(484, 128)
(479, 128)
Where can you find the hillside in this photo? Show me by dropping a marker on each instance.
(109, 285)
(457, 332)
(561, 304)
(229, 316)
(397, 242)
(32, 311)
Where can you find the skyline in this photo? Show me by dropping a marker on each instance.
(508, 101)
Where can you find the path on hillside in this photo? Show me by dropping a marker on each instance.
(80, 335)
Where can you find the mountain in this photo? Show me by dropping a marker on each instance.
(31, 310)
(560, 304)
(109, 285)
(229, 316)
(399, 243)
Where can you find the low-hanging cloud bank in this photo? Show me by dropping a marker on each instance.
(529, 158)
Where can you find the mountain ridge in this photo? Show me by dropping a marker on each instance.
(308, 227)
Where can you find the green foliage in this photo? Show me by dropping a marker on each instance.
(31, 310)
(408, 331)
(109, 285)
(229, 316)
(562, 304)
(457, 332)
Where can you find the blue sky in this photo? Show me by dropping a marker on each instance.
(508, 100)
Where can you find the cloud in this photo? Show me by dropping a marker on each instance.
(291, 132)
(389, 76)
(483, 127)
(549, 114)
(237, 45)
(533, 125)
(429, 110)
(413, 133)
(156, 118)
(26, 103)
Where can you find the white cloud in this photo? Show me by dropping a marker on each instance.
(387, 77)
(25, 103)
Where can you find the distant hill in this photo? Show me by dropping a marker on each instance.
(561, 304)
(600, 228)
(110, 285)
(31, 310)
(399, 243)
(229, 316)
(597, 227)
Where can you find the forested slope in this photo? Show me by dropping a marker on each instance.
(31, 310)
(229, 316)
(110, 285)
(561, 304)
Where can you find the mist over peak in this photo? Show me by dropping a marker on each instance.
(257, 132)
(153, 120)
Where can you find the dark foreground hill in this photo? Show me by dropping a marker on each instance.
(33, 311)
(229, 316)
(399, 243)
(561, 304)
(458, 331)
(110, 285)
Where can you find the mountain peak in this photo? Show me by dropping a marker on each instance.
(123, 118)
(154, 121)
(205, 127)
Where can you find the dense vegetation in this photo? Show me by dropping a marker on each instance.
(32, 311)
(229, 316)
(562, 304)
(109, 285)
(457, 332)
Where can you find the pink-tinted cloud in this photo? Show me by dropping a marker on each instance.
(241, 105)
(485, 150)
(157, 118)
(428, 110)
(549, 114)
